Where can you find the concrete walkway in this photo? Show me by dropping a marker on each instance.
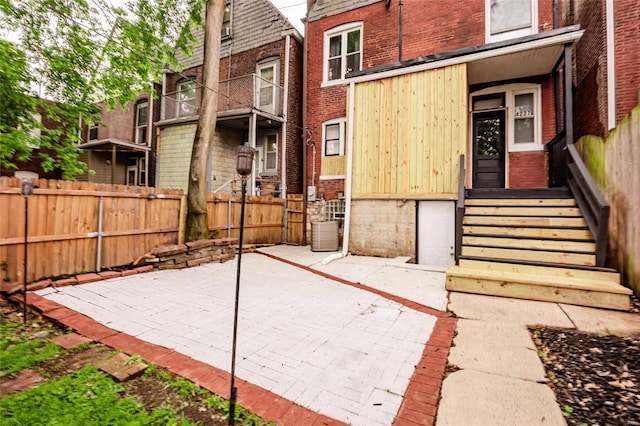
(501, 380)
(338, 350)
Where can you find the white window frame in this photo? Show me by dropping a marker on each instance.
(225, 28)
(342, 30)
(139, 125)
(342, 121)
(507, 35)
(261, 150)
(510, 91)
(269, 63)
(179, 101)
(90, 129)
(132, 168)
(142, 171)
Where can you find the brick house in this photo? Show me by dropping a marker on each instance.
(121, 148)
(607, 57)
(259, 94)
(448, 130)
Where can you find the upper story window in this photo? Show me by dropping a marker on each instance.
(333, 137)
(226, 21)
(186, 97)
(142, 116)
(93, 132)
(342, 51)
(267, 85)
(506, 19)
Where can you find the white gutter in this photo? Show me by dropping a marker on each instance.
(349, 179)
(535, 44)
(285, 112)
(611, 67)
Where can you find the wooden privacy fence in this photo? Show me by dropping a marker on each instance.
(68, 234)
(79, 226)
(263, 221)
(614, 164)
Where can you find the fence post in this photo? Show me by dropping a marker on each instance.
(182, 219)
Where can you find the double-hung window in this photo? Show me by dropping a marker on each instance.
(93, 132)
(333, 137)
(142, 116)
(186, 98)
(506, 19)
(342, 52)
(225, 30)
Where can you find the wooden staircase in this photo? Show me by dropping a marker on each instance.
(535, 246)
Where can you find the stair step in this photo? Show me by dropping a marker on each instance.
(519, 193)
(551, 233)
(552, 222)
(530, 244)
(524, 211)
(569, 290)
(547, 269)
(540, 202)
(530, 255)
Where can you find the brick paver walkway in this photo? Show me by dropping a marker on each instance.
(307, 339)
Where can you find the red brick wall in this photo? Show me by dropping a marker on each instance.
(528, 169)
(294, 120)
(590, 70)
(627, 55)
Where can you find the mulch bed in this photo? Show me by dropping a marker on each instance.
(596, 378)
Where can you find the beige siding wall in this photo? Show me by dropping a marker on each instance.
(224, 151)
(175, 155)
(409, 132)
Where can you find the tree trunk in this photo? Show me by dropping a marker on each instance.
(197, 222)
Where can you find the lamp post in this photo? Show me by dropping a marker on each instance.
(27, 190)
(244, 167)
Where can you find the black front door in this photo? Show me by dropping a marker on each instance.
(488, 149)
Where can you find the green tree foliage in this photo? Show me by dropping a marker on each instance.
(80, 52)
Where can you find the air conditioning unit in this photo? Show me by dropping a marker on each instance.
(226, 32)
(311, 193)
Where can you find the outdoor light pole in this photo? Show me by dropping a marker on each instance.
(27, 190)
(244, 167)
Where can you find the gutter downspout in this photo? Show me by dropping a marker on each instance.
(400, 3)
(349, 179)
(305, 56)
(285, 129)
(611, 67)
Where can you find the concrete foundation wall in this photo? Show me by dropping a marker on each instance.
(384, 228)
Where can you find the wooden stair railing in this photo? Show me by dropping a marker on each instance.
(460, 211)
(592, 203)
(556, 148)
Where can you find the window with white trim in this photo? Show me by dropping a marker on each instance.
(132, 171)
(523, 105)
(507, 19)
(142, 171)
(225, 30)
(342, 51)
(333, 137)
(266, 155)
(142, 115)
(186, 97)
(93, 132)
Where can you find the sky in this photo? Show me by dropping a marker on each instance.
(294, 10)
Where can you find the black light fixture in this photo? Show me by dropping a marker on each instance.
(244, 168)
(27, 191)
